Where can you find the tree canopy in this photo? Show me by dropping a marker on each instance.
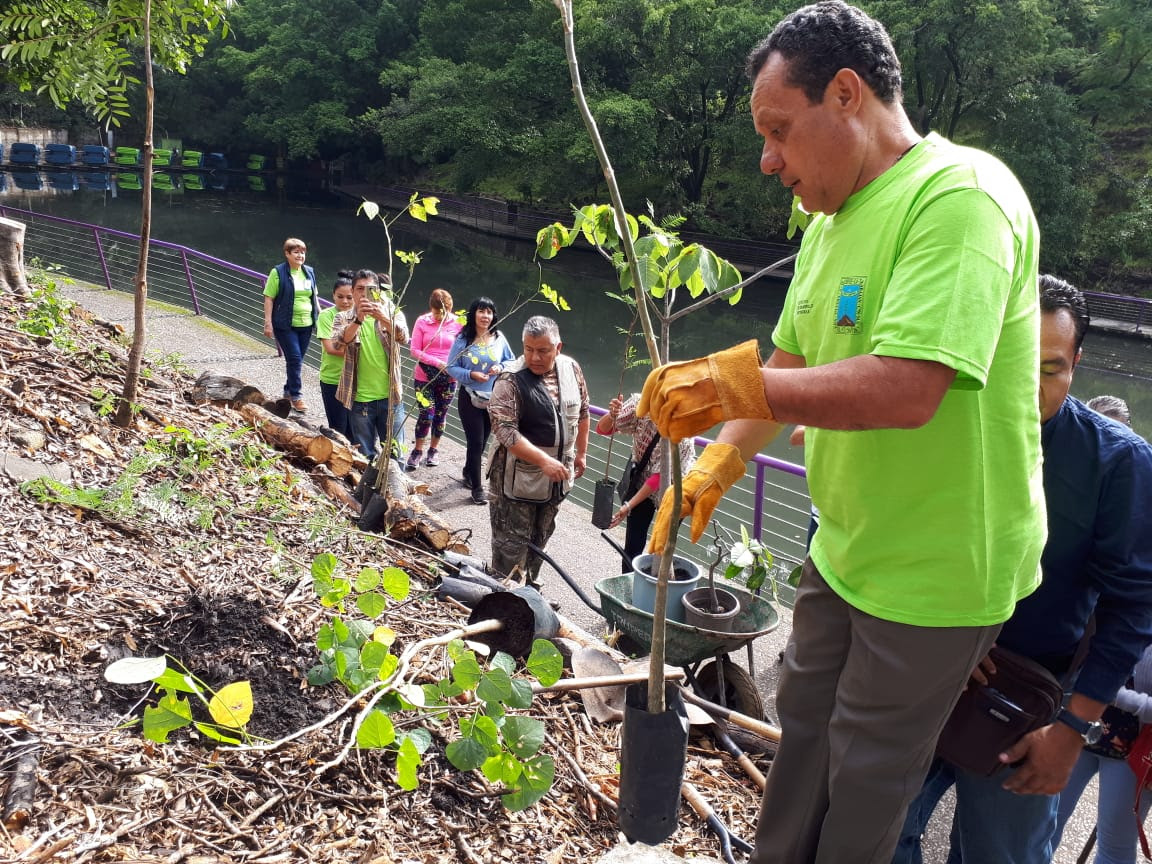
(473, 96)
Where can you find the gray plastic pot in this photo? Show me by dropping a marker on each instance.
(685, 575)
(698, 603)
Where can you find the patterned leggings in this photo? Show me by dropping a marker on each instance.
(439, 392)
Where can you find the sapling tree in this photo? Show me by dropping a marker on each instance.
(654, 266)
(419, 208)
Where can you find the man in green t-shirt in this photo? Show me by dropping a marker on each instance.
(370, 380)
(908, 347)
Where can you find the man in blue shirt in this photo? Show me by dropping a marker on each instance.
(1098, 558)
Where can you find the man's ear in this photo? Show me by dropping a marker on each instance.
(1076, 359)
(559, 347)
(845, 90)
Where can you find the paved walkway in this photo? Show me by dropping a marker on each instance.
(576, 545)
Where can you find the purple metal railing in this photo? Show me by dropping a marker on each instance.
(762, 462)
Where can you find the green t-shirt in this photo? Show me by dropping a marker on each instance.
(301, 296)
(936, 259)
(372, 378)
(330, 365)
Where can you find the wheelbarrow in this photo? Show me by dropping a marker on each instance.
(721, 680)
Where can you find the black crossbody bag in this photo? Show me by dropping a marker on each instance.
(633, 474)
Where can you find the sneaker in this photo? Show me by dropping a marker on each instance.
(431, 461)
(413, 460)
(479, 496)
(300, 405)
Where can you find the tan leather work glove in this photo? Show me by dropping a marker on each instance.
(687, 398)
(719, 466)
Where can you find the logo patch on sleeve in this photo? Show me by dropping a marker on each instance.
(848, 305)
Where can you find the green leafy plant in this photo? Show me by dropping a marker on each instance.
(50, 317)
(357, 652)
(750, 560)
(103, 401)
(230, 707)
(503, 746)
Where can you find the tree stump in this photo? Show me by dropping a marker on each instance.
(222, 389)
(13, 278)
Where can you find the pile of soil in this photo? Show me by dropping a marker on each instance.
(185, 535)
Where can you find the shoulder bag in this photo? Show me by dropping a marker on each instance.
(1140, 761)
(633, 474)
(479, 398)
(1020, 696)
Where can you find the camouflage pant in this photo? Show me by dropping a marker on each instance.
(515, 525)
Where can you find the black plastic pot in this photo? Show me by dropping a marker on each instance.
(373, 511)
(602, 503)
(652, 755)
(525, 614)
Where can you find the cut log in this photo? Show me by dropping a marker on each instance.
(13, 278)
(217, 387)
(399, 513)
(334, 488)
(288, 436)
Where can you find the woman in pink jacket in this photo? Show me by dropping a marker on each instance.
(432, 338)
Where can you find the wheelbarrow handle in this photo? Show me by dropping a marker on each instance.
(536, 550)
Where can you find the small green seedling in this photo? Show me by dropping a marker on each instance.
(230, 706)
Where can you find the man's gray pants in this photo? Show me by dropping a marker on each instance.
(861, 703)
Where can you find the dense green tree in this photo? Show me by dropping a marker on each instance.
(81, 51)
(296, 76)
(963, 59)
(473, 95)
(1116, 78)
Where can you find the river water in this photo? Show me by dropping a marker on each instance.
(247, 226)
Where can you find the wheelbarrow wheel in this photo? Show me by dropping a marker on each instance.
(740, 693)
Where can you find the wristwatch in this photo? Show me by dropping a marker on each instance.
(358, 321)
(1089, 730)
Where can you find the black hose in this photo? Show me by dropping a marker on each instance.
(536, 550)
(612, 542)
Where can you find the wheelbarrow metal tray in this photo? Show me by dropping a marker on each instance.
(684, 644)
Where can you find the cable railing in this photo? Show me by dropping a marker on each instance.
(771, 502)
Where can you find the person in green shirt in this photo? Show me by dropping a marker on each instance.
(332, 360)
(291, 308)
(909, 348)
(370, 380)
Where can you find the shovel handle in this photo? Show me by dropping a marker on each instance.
(602, 681)
(732, 749)
(761, 728)
(704, 811)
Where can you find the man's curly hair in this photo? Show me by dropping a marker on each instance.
(819, 40)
